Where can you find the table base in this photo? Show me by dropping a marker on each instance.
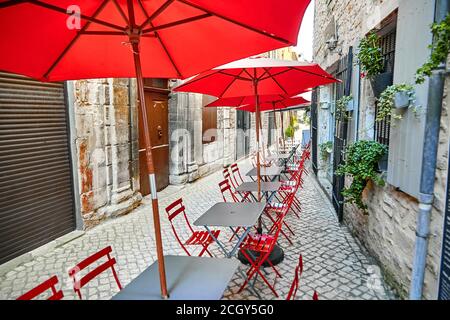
(276, 257)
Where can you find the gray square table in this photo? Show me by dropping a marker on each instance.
(267, 188)
(271, 172)
(188, 278)
(232, 215)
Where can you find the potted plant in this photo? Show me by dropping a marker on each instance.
(394, 97)
(361, 163)
(371, 60)
(343, 105)
(326, 149)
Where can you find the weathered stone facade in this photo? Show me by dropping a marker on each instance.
(190, 158)
(106, 146)
(388, 231)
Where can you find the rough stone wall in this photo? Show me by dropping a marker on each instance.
(190, 159)
(388, 231)
(104, 142)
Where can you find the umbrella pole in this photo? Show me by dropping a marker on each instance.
(150, 166)
(262, 141)
(275, 126)
(258, 164)
(282, 130)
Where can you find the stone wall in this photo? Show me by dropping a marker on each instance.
(388, 231)
(106, 144)
(190, 158)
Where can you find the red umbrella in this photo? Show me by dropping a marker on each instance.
(258, 76)
(55, 40)
(274, 105)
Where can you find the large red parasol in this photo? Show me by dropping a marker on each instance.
(274, 105)
(257, 76)
(55, 40)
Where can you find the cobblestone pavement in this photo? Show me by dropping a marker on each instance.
(334, 264)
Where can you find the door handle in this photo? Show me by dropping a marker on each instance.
(160, 131)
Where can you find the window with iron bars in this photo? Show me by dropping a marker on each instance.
(387, 43)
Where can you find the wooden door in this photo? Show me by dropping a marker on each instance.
(158, 124)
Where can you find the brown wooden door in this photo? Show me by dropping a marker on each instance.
(158, 123)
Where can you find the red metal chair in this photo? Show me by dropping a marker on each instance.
(245, 196)
(80, 282)
(256, 248)
(197, 238)
(276, 212)
(298, 273)
(225, 189)
(44, 286)
(294, 286)
(236, 174)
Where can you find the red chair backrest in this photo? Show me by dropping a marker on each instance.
(174, 210)
(224, 188)
(80, 282)
(236, 174)
(294, 286)
(226, 175)
(44, 286)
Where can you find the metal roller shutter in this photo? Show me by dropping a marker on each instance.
(36, 189)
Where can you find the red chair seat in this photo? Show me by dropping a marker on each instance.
(258, 242)
(202, 237)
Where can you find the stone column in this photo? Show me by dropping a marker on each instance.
(102, 120)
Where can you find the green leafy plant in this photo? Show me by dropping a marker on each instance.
(289, 132)
(439, 49)
(341, 108)
(361, 163)
(325, 150)
(386, 102)
(293, 125)
(370, 56)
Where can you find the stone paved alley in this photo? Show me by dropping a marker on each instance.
(334, 264)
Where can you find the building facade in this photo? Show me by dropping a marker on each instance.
(388, 230)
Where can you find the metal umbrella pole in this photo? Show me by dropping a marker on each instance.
(134, 40)
(282, 130)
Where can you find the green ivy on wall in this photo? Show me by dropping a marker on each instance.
(361, 161)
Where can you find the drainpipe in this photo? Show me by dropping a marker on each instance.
(430, 148)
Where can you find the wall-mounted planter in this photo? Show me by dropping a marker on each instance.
(401, 99)
(380, 82)
(351, 105)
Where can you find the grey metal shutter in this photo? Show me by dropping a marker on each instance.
(36, 189)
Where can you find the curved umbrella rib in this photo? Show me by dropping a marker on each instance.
(122, 13)
(161, 42)
(238, 23)
(275, 80)
(82, 16)
(230, 84)
(150, 18)
(74, 40)
(11, 3)
(176, 23)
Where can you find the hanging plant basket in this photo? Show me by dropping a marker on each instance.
(380, 82)
(401, 99)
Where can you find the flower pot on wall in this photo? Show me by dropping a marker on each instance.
(401, 99)
(380, 82)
